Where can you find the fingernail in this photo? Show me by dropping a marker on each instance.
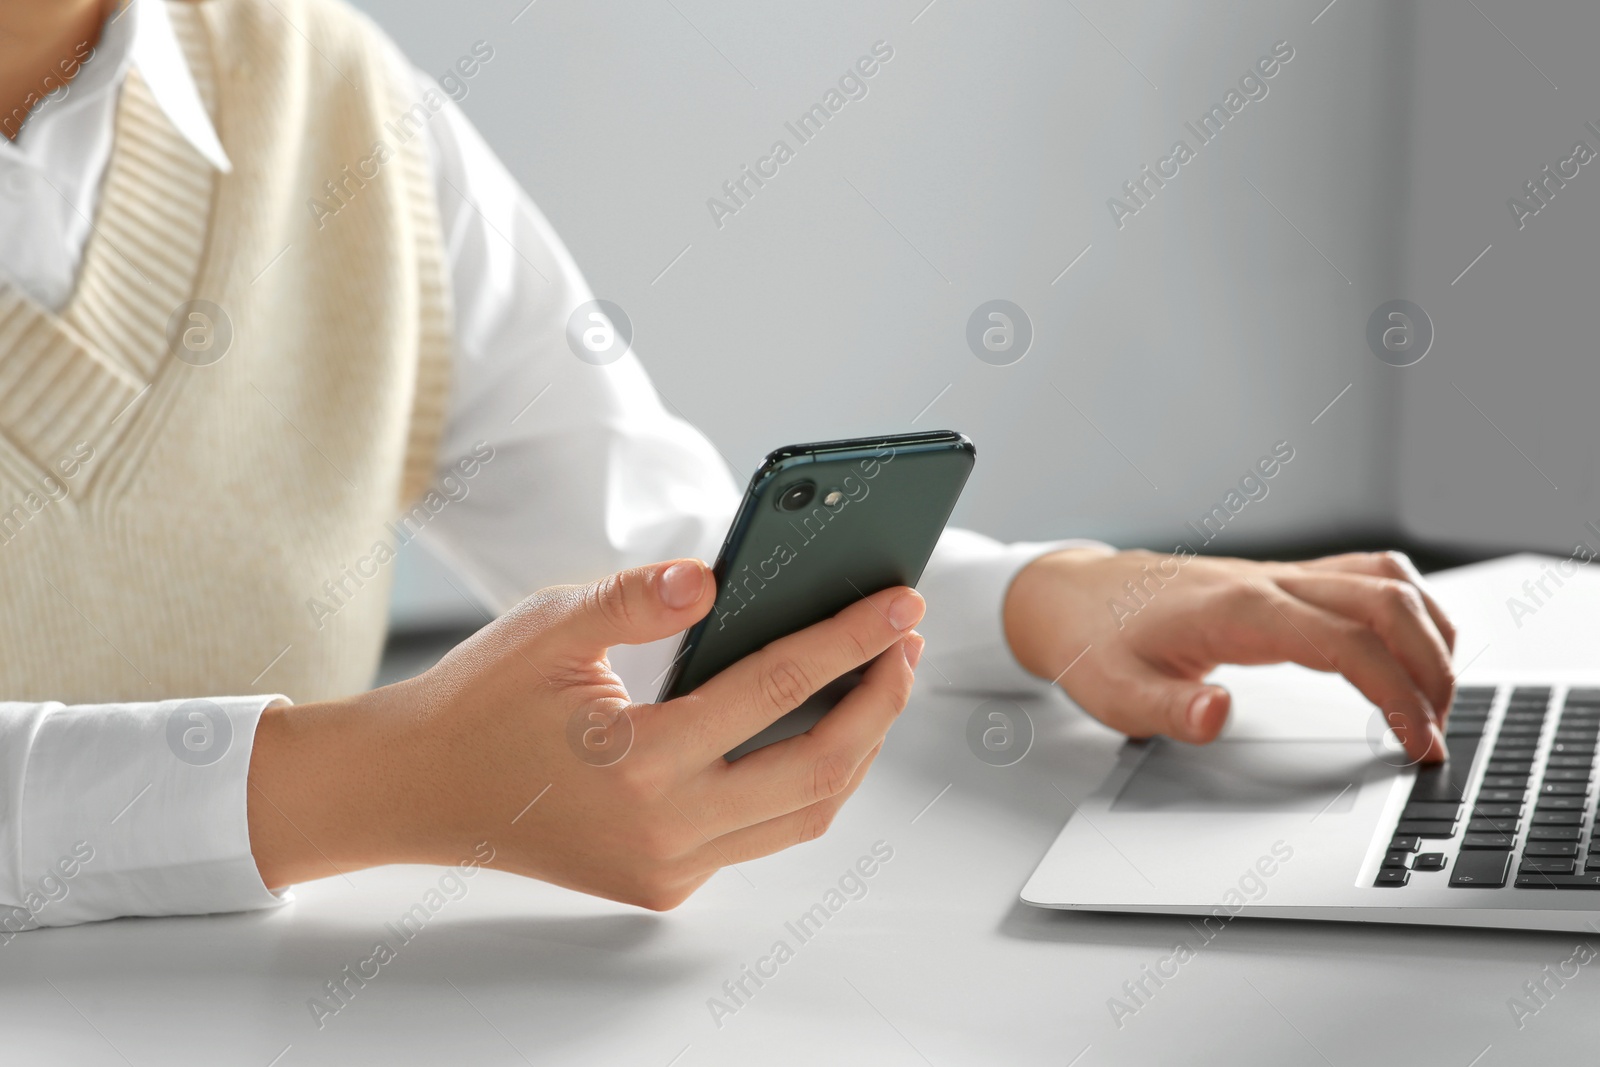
(1196, 714)
(906, 611)
(682, 583)
(914, 645)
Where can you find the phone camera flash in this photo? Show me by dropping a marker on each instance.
(833, 498)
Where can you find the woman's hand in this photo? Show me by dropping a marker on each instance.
(1155, 625)
(524, 738)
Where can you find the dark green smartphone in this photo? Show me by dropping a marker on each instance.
(821, 526)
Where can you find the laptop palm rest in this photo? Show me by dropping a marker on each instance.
(1247, 776)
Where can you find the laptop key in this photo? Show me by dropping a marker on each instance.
(1543, 848)
(1390, 877)
(1567, 761)
(1493, 826)
(1558, 881)
(1558, 818)
(1521, 766)
(1564, 789)
(1399, 858)
(1555, 833)
(1569, 748)
(1565, 774)
(1480, 870)
(1427, 827)
(1448, 780)
(1410, 842)
(1432, 809)
(1551, 865)
(1429, 861)
(1496, 811)
(1561, 804)
(1506, 781)
(1491, 842)
(1499, 796)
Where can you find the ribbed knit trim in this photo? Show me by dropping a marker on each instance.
(66, 378)
(430, 403)
(154, 210)
(54, 388)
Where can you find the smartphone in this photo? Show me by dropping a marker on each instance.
(821, 526)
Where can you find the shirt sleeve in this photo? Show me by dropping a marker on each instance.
(125, 809)
(965, 584)
(578, 468)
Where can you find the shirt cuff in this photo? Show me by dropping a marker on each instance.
(965, 585)
(127, 809)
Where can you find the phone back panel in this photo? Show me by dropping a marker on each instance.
(876, 511)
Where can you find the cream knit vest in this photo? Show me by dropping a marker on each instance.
(163, 520)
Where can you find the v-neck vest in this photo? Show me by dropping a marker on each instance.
(201, 451)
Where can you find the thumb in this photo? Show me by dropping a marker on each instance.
(1179, 708)
(637, 606)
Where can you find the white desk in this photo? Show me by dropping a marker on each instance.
(937, 964)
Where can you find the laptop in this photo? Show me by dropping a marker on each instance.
(1307, 808)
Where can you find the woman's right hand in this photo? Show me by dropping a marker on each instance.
(522, 737)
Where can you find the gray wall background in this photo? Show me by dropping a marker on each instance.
(1224, 317)
(1517, 334)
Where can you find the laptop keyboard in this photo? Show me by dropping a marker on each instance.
(1528, 820)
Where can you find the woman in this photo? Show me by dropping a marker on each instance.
(270, 310)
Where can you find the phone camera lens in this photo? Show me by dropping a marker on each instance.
(796, 496)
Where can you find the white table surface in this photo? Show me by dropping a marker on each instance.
(938, 964)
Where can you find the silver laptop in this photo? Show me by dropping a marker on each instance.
(1309, 810)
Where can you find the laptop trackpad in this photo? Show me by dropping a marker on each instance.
(1248, 776)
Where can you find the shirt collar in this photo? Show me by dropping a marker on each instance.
(140, 34)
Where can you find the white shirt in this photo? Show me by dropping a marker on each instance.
(631, 482)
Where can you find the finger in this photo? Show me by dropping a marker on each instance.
(1396, 565)
(1143, 702)
(631, 607)
(747, 697)
(810, 768)
(1395, 612)
(1323, 641)
(793, 828)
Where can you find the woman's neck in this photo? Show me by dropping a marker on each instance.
(42, 44)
